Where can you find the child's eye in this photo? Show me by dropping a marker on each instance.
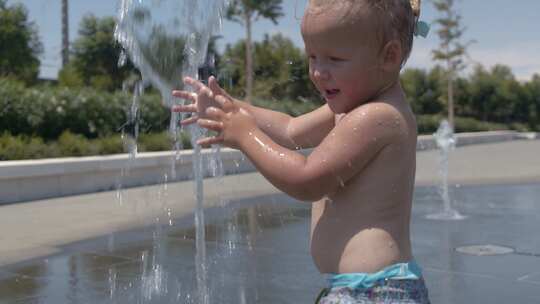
(335, 59)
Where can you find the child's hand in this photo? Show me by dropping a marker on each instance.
(201, 99)
(230, 121)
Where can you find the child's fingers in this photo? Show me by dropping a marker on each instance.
(197, 85)
(216, 89)
(214, 113)
(206, 91)
(210, 140)
(185, 95)
(214, 86)
(189, 121)
(224, 102)
(191, 108)
(210, 124)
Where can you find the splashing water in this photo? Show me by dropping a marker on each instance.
(168, 40)
(446, 142)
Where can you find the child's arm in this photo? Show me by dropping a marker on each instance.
(305, 131)
(340, 156)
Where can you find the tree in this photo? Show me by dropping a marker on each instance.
(20, 46)
(246, 12)
(532, 89)
(422, 88)
(96, 54)
(451, 51)
(281, 69)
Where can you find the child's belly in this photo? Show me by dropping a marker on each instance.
(356, 237)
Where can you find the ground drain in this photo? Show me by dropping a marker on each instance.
(482, 250)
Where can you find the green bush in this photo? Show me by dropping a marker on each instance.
(76, 145)
(24, 147)
(19, 147)
(428, 124)
(110, 145)
(47, 112)
(293, 108)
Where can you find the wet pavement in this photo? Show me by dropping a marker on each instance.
(257, 252)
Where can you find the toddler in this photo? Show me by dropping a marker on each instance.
(360, 175)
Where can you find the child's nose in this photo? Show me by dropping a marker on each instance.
(320, 72)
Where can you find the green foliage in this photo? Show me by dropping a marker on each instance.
(75, 145)
(165, 54)
(72, 145)
(293, 108)
(428, 124)
(497, 96)
(24, 147)
(161, 141)
(95, 56)
(20, 46)
(47, 112)
(238, 10)
(423, 90)
(70, 77)
(451, 50)
(281, 70)
(246, 12)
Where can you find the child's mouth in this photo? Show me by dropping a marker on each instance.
(331, 94)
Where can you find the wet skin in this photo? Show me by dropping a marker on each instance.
(360, 175)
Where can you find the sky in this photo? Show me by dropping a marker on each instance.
(505, 32)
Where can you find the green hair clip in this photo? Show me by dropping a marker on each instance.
(422, 29)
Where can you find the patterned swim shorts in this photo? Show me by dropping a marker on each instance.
(411, 291)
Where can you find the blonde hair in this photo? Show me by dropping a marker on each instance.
(395, 19)
(415, 5)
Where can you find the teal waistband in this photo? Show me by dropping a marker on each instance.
(400, 271)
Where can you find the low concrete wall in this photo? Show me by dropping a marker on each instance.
(427, 142)
(40, 179)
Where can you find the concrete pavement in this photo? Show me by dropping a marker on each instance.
(34, 229)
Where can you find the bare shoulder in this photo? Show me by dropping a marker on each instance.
(385, 121)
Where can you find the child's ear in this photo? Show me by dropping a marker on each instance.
(391, 55)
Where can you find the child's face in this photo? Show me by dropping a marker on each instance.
(343, 57)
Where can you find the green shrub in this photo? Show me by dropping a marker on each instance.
(428, 124)
(465, 124)
(110, 145)
(21, 147)
(293, 108)
(155, 142)
(24, 147)
(47, 112)
(76, 145)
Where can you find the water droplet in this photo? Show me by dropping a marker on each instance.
(122, 59)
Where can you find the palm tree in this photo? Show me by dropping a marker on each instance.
(65, 33)
(246, 12)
